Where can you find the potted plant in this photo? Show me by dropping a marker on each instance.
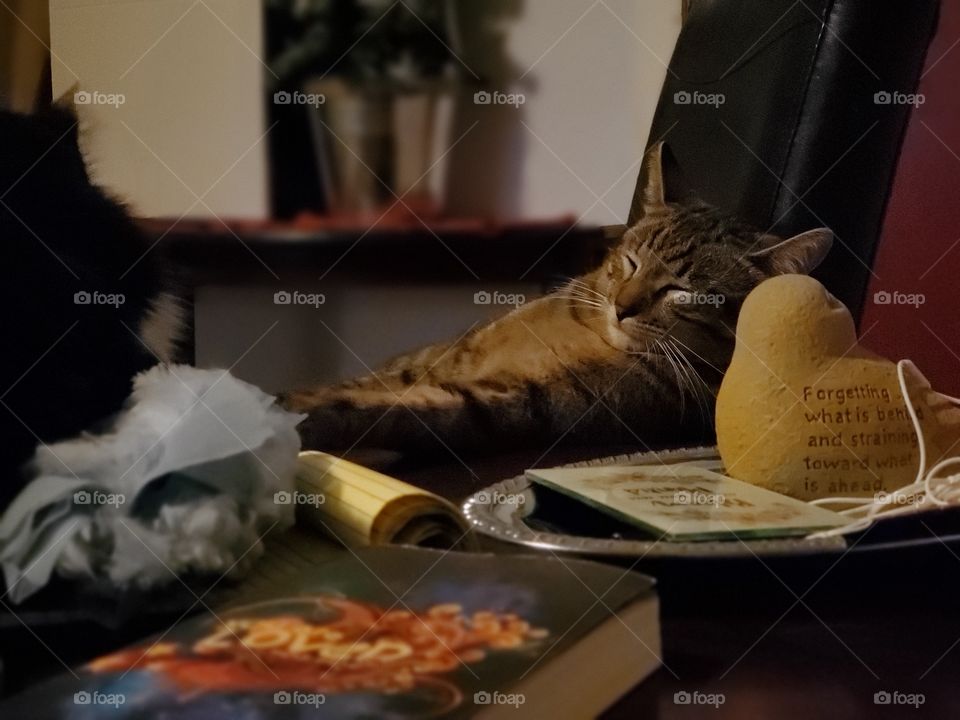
(377, 77)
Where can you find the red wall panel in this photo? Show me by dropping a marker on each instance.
(919, 250)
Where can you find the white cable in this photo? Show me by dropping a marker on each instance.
(927, 488)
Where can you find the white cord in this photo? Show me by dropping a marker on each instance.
(927, 488)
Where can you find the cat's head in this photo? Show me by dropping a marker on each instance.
(681, 272)
(41, 152)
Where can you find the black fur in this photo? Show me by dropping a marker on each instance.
(64, 366)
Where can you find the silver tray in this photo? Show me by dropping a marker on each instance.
(497, 512)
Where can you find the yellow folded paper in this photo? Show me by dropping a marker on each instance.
(360, 506)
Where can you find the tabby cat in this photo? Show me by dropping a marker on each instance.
(632, 351)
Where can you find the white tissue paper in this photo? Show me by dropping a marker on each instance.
(183, 482)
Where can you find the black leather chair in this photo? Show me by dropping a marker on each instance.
(801, 139)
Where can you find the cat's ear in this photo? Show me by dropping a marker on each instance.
(660, 183)
(799, 254)
(61, 116)
(67, 102)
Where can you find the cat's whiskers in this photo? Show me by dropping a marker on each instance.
(580, 301)
(576, 295)
(696, 354)
(578, 281)
(688, 383)
(581, 296)
(585, 287)
(698, 385)
(681, 381)
(586, 310)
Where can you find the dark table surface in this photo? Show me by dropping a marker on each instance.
(811, 637)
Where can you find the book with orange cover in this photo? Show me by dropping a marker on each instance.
(385, 633)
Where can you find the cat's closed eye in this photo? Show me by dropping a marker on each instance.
(674, 293)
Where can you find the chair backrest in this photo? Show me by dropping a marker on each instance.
(791, 113)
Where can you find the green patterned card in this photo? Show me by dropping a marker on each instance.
(686, 502)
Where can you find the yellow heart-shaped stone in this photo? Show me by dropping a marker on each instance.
(805, 410)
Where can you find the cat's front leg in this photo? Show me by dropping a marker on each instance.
(376, 411)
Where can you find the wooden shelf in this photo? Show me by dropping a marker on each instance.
(446, 250)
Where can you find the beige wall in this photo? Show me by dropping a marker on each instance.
(193, 114)
(591, 73)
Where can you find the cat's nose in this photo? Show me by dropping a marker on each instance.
(623, 311)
